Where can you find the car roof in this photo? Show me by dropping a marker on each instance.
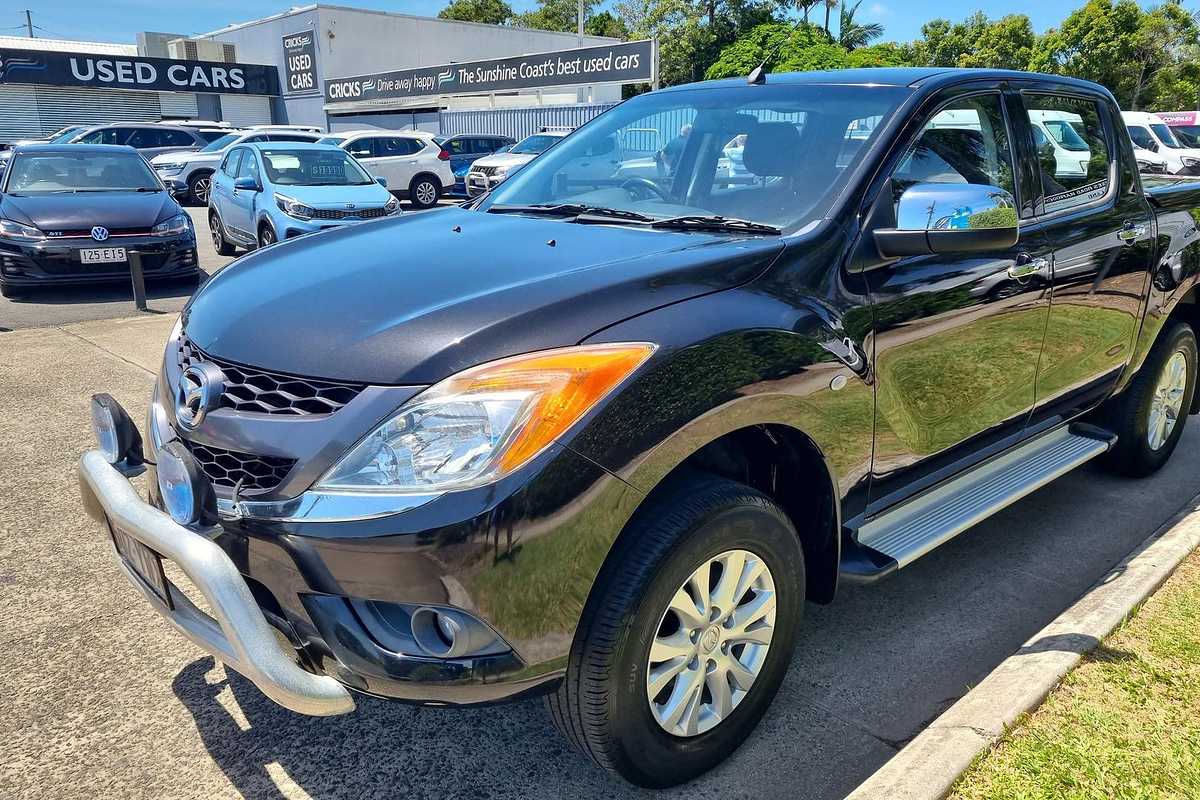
(888, 76)
(378, 132)
(74, 149)
(185, 128)
(288, 146)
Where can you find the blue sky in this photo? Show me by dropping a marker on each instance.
(119, 20)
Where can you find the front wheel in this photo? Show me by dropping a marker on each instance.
(266, 235)
(424, 191)
(1149, 416)
(199, 186)
(223, 247)
(687, 635)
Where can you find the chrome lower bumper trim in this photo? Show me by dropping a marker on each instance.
(239, 635)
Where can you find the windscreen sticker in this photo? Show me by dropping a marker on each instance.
(1077, 196)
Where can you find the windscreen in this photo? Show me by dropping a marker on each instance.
(216, 145)
(1188, 135)
(32, 173)
(532, 145)
(1163, 132)
(1065, 134)
(777, 155)
(325, 167)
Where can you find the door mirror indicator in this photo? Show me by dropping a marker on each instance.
(948, 218)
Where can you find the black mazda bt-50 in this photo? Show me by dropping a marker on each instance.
(602, 432)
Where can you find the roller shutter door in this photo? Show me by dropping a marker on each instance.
(59, 106)
(178, 105)
(244, 110)
(19, 119)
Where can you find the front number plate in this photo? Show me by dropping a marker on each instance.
(102, 255)
(145, 563)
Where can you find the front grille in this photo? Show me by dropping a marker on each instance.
(358, 213)
(1152, 168)
(228, 468)
(86, 233)
(262, 392)
(485, 170)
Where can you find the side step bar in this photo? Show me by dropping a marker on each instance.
(917, 526)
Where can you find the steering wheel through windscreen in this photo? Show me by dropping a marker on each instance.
(644, 189)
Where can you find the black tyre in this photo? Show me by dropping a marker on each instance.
(199, 185)
(424, 191)
(658, 691)
(220, 244)
(266, 235)
(1150, 414)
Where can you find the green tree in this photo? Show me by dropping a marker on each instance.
(1007, 43)
(555, 15)
(943, 43)
(605, 24)
(885, 54)
(492, 12)
(852, 34)
(784, 47)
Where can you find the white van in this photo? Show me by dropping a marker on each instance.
(1148, 131)
(1062, 132)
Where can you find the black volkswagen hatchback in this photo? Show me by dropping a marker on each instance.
(76, 213)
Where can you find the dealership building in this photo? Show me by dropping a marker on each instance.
(333, 66)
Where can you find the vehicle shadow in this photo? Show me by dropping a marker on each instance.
(117, 291)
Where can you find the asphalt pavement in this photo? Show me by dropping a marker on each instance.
(99, 698)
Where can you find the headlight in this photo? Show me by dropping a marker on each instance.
(392, 206)
(180, 223)
(1188, 161)
(15, 230)
(170, 169)
(482, 424)
(293, 207)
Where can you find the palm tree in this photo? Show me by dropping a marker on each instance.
(830, 5)
(807, 6)
(851, 34)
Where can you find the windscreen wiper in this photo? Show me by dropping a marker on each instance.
(577, 210)
(715, 222)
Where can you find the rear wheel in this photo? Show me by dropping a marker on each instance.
(687, 635)
(1149, 416)
(199, 186)
(223, 247)
(424, 191)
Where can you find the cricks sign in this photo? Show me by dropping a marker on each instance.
(300, 63)
(617, 63)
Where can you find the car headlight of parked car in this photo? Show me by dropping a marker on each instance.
(1188, 161)
(485, 422)
(180, 223)
(293, 207)
(169, 169)
(20, 232)
(392, 206)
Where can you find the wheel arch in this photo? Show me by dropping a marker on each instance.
(425, 174)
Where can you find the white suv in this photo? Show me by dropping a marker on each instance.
(196, 168)
(411, 162)
(490, 171)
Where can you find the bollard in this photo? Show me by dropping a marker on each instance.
(139, 280)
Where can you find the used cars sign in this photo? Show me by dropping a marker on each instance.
(616, 63)
(300, 62)
(135, 72)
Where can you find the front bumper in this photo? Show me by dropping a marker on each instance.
(59, 261)
(478, 183)
(239, 634)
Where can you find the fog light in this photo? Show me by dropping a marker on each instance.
(186, 493)
(116, 434)
(446, 633)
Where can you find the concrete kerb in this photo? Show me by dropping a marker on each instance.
(929, 765)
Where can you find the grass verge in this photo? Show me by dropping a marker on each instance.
(1124, 725)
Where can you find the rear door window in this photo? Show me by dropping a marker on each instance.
(144, 138)
(1075, 170)
(172, 138)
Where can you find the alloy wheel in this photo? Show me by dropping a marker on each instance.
(266, 236)
(426, 193)
(214, 228)
(200, 187)
(711, 643)
(1167, 402)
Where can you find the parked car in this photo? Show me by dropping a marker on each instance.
(409, 160)
(491, 170)
(1184, 124)
(148, 138)
(464, 149)
(62, 134)
(602, 438)
(1151, 133)
(195, 169)
(74, 214)
(264, 193)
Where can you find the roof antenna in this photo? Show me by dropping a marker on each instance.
(758, 75)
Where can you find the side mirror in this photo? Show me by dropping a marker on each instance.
(246, 184)
(382, 182)
(948, 218)
(1153, 146)
(177, 188)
